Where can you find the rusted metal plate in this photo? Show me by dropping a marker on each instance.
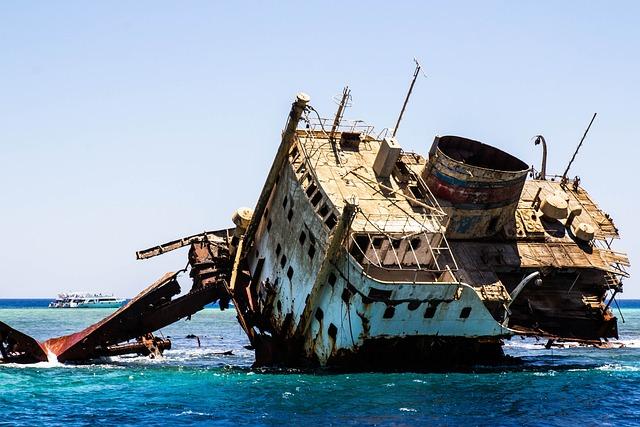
(16, 346)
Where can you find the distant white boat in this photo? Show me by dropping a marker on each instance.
(86, 300)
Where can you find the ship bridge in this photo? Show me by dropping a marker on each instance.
(398, 231)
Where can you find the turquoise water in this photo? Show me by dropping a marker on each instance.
(197, 385)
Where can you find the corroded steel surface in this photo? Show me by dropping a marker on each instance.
(16, 346)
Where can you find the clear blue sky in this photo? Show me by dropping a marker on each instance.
(127, 124)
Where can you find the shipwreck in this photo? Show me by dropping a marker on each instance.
(359, 254)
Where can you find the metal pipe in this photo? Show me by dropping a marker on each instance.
(521, 286)
(543, 168)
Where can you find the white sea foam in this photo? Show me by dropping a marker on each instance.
(51, 356)
(190, 412)
(545, 374)
(616, 367)
(54, 365)
(525, 345)
(630, 343)
(540, 345)
(408, 410)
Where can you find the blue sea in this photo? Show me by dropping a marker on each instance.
(195, 385)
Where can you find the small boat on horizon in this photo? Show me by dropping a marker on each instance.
(86, 300)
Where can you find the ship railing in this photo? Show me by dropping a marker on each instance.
(352, 126)
(414, 275)
(618, 260)
(429, 222)
(385, 252)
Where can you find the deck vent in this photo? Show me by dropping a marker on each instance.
(386, 158)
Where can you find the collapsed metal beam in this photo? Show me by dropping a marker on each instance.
(207, 236)
(151, 310)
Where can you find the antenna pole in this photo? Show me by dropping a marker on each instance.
(564, 175)
(346, 93)
(406, 100)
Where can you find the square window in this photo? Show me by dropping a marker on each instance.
(312, 251)
(311, 189)
(331, 221)
(316, 199)
(465, 312)
(290, 272)
(278, 249)
(290, 215)
(302, 237)
(389, 312)
(332, 279)
(430, 311)
(283, 261)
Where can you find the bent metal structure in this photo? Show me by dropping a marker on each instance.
(359, 254)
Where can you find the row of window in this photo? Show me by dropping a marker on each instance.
(313, 192)
(311, 252)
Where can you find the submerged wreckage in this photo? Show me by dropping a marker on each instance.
(360, 254)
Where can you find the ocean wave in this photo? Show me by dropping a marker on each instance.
(616, 367)
(58, 365)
